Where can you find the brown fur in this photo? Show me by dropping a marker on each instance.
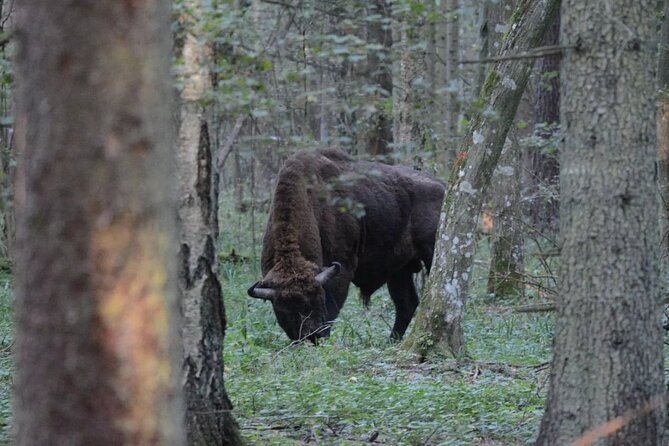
(307, 230)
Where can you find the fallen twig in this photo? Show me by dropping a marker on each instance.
(536, 308)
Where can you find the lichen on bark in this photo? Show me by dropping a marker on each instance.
(441, 311)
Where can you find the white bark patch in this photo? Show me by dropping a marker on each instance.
(467, 188)
(509, 83)
(452, 291)
(478, 137)
(500, 28)
(506, 171)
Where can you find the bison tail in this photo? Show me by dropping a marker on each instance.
(365, 298)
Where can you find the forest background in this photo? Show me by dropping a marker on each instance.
(406, 82)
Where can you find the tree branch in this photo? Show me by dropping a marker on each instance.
(227, 148)
(533, 54)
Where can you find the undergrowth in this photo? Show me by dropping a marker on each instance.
(6, 341)
(357, 387)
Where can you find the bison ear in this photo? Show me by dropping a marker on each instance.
(261, 293)
(328, 273)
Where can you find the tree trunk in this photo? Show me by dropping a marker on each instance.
(411, 96)
(607, 360)
(208, 417)
(542, 164)
(505, 278)
(96, 344)
(379, 70)
(446, 86)
(438, 326)
(7, 141)
(452, 61)
(663, 124)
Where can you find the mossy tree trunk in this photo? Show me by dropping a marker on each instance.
(608, 354)
(438, 325)
(208, 417)
(96, 339)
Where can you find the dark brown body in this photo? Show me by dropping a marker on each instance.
(314, 223)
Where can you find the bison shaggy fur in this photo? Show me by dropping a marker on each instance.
(336, 221)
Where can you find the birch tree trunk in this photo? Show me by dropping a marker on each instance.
(607, 360)
(96, 344)
(208, 417)
(438, 325)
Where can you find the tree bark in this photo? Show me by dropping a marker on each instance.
(438, 326)
(7, 144)
(452, 61)
(505, 277)
(446, 86)
(411, 97)
(607, 360)
(96, 344)
(663, 124)
(208, 409)
(379, 70)
(542, 166)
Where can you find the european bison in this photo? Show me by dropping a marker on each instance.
(334, 221)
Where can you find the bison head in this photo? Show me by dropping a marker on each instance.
(299, 303)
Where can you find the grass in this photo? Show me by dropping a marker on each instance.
(357, 387)
(6, 340)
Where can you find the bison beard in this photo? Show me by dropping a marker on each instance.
(314, 246)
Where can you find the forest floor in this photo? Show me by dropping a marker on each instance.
(6, 342)
(358, 388)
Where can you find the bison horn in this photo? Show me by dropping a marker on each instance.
(328, 273)
(261, 293)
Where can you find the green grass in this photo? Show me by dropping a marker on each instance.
(357, 385)
(6, 339)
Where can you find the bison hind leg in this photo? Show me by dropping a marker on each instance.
(404, 296)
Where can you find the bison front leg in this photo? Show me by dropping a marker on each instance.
(405, 298)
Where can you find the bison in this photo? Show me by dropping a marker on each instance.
(334, 221)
